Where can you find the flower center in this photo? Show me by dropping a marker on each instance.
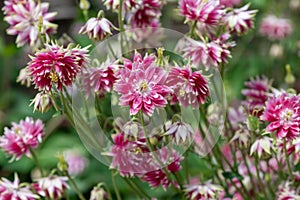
(287, 115)
(54, 77)
(143, 86)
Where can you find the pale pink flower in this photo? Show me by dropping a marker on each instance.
(240, 20)
(42, 102)
(283, 113)
(52, 187)
(24, 77)
(76, 162)
(18, 140)
(98, 193)
(26, 19)
(97, 28)
(230, 3)
(256, 94)
(141, 84)
(286, 192)
(189, 88)
(236, 116)
(275, 28)
(262, 147)
(15, 191)
(201, 191)
(242, 136)
(56, 65)
(207, 12)
(180, 131)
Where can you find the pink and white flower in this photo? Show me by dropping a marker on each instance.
(262, 147)
(15, 191)
(275, 28)
(230, 3)
(114, 4)
(42, 102)
(180, 131)
(286, 192)
(240, 20)
(141, 84)
(57, 65)
(189, 88)
(283, 113)
(207, 191)
(18, 140)
(26, 19)
(51, 187)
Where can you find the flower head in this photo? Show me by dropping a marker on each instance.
(283, 113)
(18, 140)
(24, 77)
(42, 102)
(51, 187)
(76, 162)
(181, 132)
(27, 20)
(141, 84)
(275, 28)
(56, 65)
(287, 192)
(189, 88)
(97, 28)
(207, 191)
(240, 20)
(262, 147)
(14, 191)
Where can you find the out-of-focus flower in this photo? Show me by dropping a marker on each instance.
(262, 147)
(24, 77)
(208, 12)
(57, 65)
(51, 187)
(189, 88)
(15, 191)
(114, 4)
(142, 85)
(276, 51)
(294, 4)
(275, 28)
(236, 117)
(181, 131)
(286, 192)
(242, 135)
(76, 162)
(98, 193)
(230, 3)
(283, 113)
(256, 94)
(240, 20)
(27, 20)
(97, 28)
(42, 102)
(18, 140)
(207, 191)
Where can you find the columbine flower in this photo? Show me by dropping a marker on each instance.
(236, 116)
(286, 192)
(240, 20)
(230, 3)
(76, 162)
(207, 191)
(190, 88)
(24, 77)
(181, 132)
(256, 94)
(26, 19)
(242, 135)
(283, 113)
(97, 28)
(98, 193)
(14, 191)
(114, 4)
(262, 147)
(275, 28)
(51, 187)
(56, 65)
(18, 140)
(141, 85)
(42, 102)
(208, 12)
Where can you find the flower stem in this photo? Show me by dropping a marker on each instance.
(113, 178)
(80, 195)
(288, 161)
(36, 161)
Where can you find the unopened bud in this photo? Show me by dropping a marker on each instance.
(84, 5)
(276, 51)
(98, 193)
(62, 164)
(289, 78)
(42, 102)
(24, 77)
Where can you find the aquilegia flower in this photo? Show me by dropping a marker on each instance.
(180, 131)
(189, 88)
(275, 28)
(97, 28)
(262, 147)
(208, 12)
(15, 191)
(240, 20)
(283, 113)
(18, 140)
(26, 19)
(42, 102)
(207, 191)
(56, 65)
(141, 84)
(51, 187)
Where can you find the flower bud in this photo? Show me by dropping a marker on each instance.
(84, 5)
(289, 78)
(42, 102)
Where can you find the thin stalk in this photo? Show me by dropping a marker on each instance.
(121, 24)
(113, 177)
(130, 184)
(141, 189)
(80, 195)
(288, 161)
(35, 159)
(258, 177)
(186, 164)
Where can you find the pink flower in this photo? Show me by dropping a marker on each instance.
(18, 140)
(56, 65)
(230, 3)
(180, 131)
(141, 85)
(25, 19)
(24, 77)
(144, 13)
(207, 12)
(76, 162)
(283, 113)
(97, 28)
(199, 191)
(256, 94)
(236, 117)
(240, 20)
(189, 88)
(286, 192)
(262, 147)
(51, 187)
(15, 191)
(275, 28)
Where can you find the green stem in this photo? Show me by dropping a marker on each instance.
(288, 162)
(36, 161)
(121, 24)
(141, 189)
(130, 184)
(113, 177)
(258, 177)
(80, 195)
